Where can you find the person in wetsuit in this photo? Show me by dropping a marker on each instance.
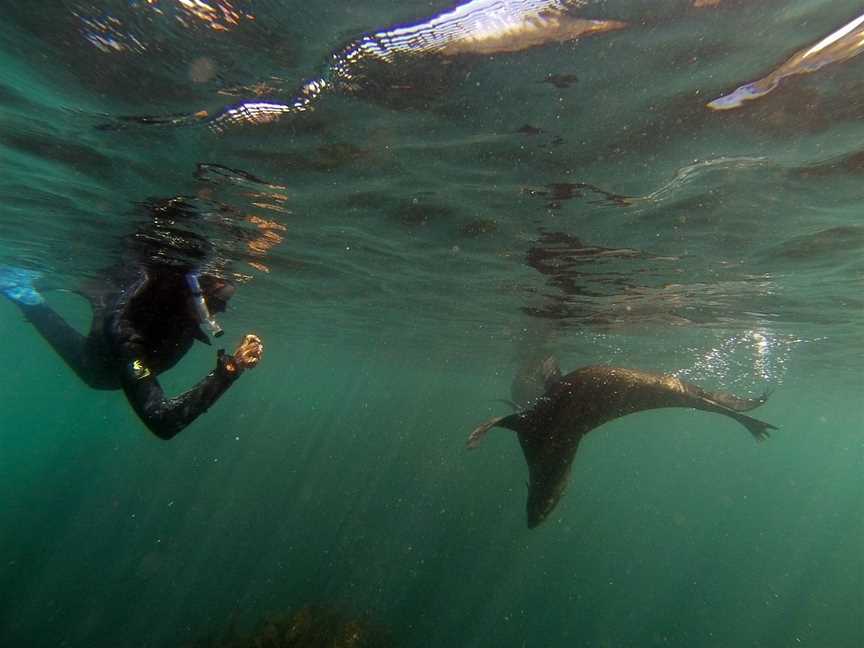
(142, 326)
(148, 310)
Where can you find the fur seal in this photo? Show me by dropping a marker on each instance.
(551, 428)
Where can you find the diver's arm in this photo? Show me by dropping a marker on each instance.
(167, 416)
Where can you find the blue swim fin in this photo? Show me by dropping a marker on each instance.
(17, 285)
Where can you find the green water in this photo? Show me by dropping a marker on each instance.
(394, 314)
(339, 477)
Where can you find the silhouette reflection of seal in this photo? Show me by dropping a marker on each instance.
(551, 428)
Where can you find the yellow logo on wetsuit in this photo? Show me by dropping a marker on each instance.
(139, 371)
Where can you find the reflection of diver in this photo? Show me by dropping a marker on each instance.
(142, 325)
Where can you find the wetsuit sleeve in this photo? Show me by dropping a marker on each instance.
(167, 416)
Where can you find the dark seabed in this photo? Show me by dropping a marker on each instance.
(401, 244)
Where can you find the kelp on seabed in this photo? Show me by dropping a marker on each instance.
(312, 626)
(839, 46)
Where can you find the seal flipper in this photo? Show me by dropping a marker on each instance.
(551, 371)
(517, 422)
(759, 429)
(537, 374)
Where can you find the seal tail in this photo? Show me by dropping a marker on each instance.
(551, 371)
(736, 403)
(733, 406)
(515, 422)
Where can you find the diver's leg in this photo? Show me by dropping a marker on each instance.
(68, 343)
(84, 355)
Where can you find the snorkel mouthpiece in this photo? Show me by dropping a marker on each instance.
(201, 310)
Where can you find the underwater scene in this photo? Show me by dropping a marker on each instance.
(311, 308)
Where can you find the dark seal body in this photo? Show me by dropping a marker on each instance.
(551, 429)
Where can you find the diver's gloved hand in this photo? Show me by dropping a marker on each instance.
(17, 285)
(247, 356)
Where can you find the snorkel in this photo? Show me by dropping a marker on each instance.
(201, 310)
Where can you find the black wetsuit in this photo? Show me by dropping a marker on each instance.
(139, 330)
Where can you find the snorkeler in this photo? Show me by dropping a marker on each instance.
(141, 327)
(145, 319)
